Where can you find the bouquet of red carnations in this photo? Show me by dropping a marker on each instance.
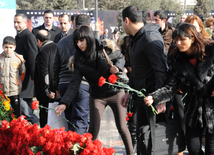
(20, 138)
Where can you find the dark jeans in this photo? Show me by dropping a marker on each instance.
(194, 141)
(28, 111)
(97, 107)
(15, 103)
(78, 111)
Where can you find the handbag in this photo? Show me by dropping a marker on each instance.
(164, 138)
(121, 76)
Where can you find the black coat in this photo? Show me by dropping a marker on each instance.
(148, 59)
(92, 71)
(65, 49)
(44, 69)
(198, 82)
(53, 31)
(26, 45)
(59, 36)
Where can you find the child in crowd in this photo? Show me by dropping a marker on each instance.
(12, 72)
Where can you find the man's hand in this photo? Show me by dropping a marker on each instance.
(59, 109)
(124, 99)
(51, 95)
(161, 108)
(114, 70)
(148, 100)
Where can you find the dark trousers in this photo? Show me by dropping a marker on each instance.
(194, 141)
(78, 111)
(143, 114)
(43, 113)
(97, 107)
(15, 103)
(132, 124)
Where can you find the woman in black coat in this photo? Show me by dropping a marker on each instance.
(90, 62)
(191, 70)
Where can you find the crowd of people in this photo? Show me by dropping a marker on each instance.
(64, 65)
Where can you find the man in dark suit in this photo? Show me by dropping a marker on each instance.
(48, 25)
(26, 45)
(65, 25)
(45, 92)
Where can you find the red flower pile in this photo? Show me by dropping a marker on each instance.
(20, 138)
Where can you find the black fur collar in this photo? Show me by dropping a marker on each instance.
(195, 75)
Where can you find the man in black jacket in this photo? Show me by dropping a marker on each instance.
(78, 111)
(26, 45)
(44, 88)
(48, 25)
(148, 61)
(65, 25)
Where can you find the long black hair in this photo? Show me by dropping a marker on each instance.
(87, 33)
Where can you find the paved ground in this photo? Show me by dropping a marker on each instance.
(109, 135)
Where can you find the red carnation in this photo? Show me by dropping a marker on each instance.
(129, 114)
(171, 108)
(102, 81)
(112, 78)
(34, 105)
(127, 118)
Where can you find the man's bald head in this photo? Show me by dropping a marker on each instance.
(43, 35)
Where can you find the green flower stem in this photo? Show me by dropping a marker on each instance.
(129, 89)
(60, 115)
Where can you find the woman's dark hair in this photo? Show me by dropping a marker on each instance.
(115, 30)
(197, 47)
(85, 32)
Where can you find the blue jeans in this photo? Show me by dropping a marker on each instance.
(78, 111)
(28, 111)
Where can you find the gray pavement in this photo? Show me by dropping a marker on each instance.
(108, 133)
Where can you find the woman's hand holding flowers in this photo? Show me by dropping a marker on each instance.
(59, 109)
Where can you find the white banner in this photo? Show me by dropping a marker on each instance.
(7, 12)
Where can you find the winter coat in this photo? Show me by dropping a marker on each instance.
(167, 36)
(44, 71)
(12, 72)
(92, 71)
(59, 36)
(148, 59)
(53, 31)
(64, 50)
(198, 82)
(26, 45)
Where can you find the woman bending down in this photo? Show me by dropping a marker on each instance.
(90, 62)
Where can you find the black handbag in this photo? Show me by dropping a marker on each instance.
(164, 138)
(121, 76)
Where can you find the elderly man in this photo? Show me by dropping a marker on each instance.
(48, 25)
(65, 25)
(104, 35)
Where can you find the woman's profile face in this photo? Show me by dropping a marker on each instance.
(82, 44)
(197, 26)
(184, 44)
